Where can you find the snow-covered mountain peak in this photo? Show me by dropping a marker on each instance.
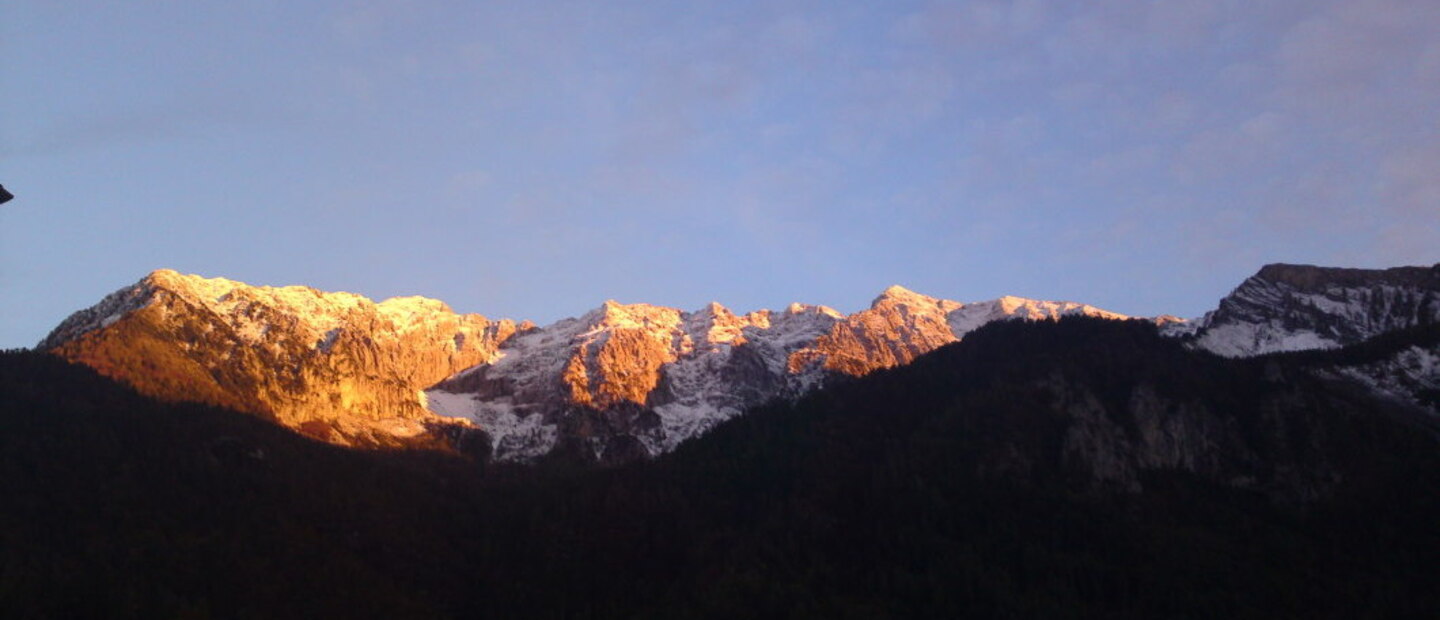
(713, 309)
(615, 315)
(969, 317)
(223, 292)
(807, 309)
(617, 312)
(1296, 307)
(716, 324)
(627, 379)
(900, 296)
(895, 291)
(1035, 309)
(337, 366)
(414, 304)
(254, 310)
(1009, 304)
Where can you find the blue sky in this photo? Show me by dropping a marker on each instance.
(530, 160)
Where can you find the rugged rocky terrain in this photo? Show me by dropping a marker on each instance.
(625, 381)
(629, 380)
(335, 366)
(620, 382)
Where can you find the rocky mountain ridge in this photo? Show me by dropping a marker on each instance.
(631, 380)
(625, 381)
(619, 382)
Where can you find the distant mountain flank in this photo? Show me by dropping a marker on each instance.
(627, 381)
(1300, 307)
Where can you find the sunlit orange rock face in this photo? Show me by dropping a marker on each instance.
(899, 326)
(624, 365)
(612, 356)
(334, 365)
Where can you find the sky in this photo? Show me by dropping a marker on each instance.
(530, 160)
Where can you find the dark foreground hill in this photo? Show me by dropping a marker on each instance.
(115, 505)
(1076, 469)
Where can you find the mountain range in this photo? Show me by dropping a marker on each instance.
(921, 458)
(622, 381)
(626, 381)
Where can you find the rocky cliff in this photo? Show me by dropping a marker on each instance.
(1299, 307)
(335, 366)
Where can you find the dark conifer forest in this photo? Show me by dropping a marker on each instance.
(1033, 470)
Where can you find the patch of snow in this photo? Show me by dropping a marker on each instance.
(107, 312)
(449, 404)
(1172, 327)
(1248, 339)
(970, 317)
(682, 421)
(1403, 376)
(514, 434)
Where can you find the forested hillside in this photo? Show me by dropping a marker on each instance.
(1081, 468)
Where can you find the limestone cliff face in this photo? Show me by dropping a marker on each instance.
(622, 363)
(336, 366)
(1113, 445)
